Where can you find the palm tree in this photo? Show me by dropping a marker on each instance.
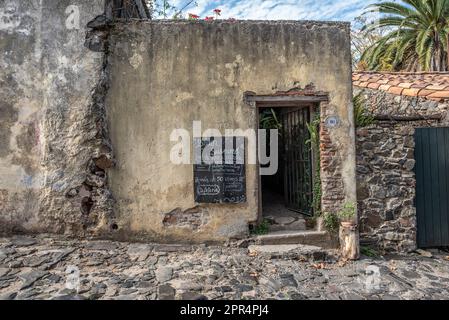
(417, 37)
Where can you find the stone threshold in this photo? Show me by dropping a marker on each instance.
(311, 238)
(292, 252)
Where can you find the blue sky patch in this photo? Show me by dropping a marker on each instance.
(345, 10)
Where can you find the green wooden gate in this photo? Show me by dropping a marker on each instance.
(432, 186)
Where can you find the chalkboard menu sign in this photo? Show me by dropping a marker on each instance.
(219, 170)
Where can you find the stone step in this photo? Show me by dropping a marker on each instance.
(312, 238)
(295, 226)
(291, 251)
(286, 223)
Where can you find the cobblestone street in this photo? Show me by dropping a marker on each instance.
(58, 268)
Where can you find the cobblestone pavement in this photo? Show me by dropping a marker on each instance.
(59, 268)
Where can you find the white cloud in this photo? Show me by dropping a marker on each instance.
(282, 9)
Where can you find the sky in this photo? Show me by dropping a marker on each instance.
(344, 10)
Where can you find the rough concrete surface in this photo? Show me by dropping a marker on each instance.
(167, 74)
(51, 128)
(70, 113)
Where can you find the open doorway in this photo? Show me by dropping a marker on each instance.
(287, 196)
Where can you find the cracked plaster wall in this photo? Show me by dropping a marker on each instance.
(51, 92)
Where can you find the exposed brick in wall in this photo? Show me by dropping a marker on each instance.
(333, 195)
(385, 170)
(192, 219)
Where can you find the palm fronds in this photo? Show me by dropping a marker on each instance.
(417, 40)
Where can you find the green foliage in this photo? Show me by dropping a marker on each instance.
(166, 9)
(347, 213)
(269, 120)
(362, 117)
(314, 132)
(314, 142)
(331, 222)
(369, 252)
(317, 194)
(261, 229)
(416, 39)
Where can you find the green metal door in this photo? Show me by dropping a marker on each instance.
(432, 186)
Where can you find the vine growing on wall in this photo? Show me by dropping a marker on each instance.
(314, 142)
(362, 117)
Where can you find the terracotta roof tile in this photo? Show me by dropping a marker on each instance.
(425, 93)
(411, 92)
(396, 90)
(419, 85)
(394, 82)
(405, 85)
(364, 84)
(433, 86)
(385, 87)
(365, 77)
(439, 94)
(374, 85)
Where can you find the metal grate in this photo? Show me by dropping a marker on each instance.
(297, 160)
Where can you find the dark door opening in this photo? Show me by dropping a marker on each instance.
(287, 196)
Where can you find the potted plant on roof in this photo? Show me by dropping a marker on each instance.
(349, 234)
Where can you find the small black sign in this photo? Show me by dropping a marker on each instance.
(219, 170)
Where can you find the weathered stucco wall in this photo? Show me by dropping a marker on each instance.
(164, 75)
(385, 169)
(50, 95)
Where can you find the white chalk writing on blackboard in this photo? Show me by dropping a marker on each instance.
(220, 177)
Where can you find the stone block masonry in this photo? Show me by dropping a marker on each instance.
(385, 169)
(386, 185)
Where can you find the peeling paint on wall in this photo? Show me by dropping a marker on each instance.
(200, 71)
(49, 84)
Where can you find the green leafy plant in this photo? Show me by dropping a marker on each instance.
(361, 116)
(331, 222)
(416, 37)
(166, 9)
(314, 141)
(262, 228)
(269, 120)
(348, 212)
(317, 195)
(369, 252)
